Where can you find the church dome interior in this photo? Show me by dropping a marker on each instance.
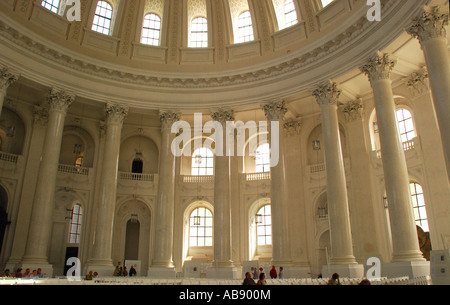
(350, 96)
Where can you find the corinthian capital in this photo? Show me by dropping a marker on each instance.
(327, 94)
(275, 111)
(168, 118)
(222, 116)
(115, 113)
(7, 78)
(431, 24)
(379, 66)
(60, 100)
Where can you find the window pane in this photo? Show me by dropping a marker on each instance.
(102, 18)
(245, 28)
(51, 5)
(199, 33)
(202, 162)
(201, 229)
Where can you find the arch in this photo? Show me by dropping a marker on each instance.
(103, 17)
(406, 123)
(12, 132)
(198, 34)
(135, 210)
(256, 252)
(3, 215)
(245, 27)
(205, 253)
(151, 30)
(139, 147)
(251, 145)
(76, 143)
(188, 150)
(316, 154)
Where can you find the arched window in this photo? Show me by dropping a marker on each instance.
(264, 226)
(202, 162)
(199, 33)
(201, 228)
(75, 224)
(290, 13)
(103, 18)
(262, 158)
(51, 5)
(326, 2)
(245, 27)
(418, 203)
(151, 30)
(405, 125)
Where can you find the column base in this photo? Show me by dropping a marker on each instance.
(35, 263)
(46, 269)
(412, 269)
(233, 273)
(157, 272)
(102, 267)
(344, 270)
(299, 272)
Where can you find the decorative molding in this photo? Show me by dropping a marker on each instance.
(431, 24)
(327, 94)
(40, 115)
(379, 66)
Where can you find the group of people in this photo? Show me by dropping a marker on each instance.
(19, 274)
(334, 280)
(260, 276)
(122, 271)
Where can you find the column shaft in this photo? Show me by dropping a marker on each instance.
(403, 228)
(163, 253)
(41, 217)
(430, 30)
(101, 252)
(340, 229)
(281, 246)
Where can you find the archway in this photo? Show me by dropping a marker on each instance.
(3, 215)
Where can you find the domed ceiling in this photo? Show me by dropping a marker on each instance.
(202, 55)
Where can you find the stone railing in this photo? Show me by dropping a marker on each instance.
(71, 169)
(11, 158)
(256, 176)
(197, 179)
(136, 177)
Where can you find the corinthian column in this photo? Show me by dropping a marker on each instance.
(6, 79)
(223, 266)
(100, 259)
(342, 259)
(429, 28)
(162, 265)
(281, 245)
(403, 228)
(41, 217)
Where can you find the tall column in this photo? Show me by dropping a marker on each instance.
(430, 30)
(342, 259)
(281, 245)
(41, 216)
(100, 259)
(6, 79)
(162, 265)
(223, 266)
(403, 228)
